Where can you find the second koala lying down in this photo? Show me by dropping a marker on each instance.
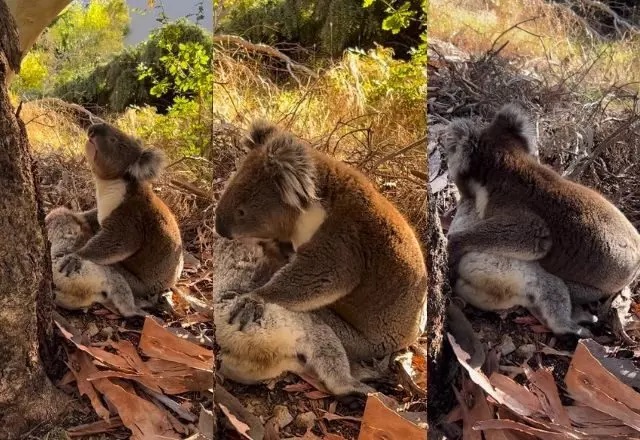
(280, 340)
(93, 283)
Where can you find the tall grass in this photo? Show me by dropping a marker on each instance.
(542, 36)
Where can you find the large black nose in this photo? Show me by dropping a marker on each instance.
(221, 229)
(97, 130)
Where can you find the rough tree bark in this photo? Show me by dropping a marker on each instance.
(27, 396)
(438, 366)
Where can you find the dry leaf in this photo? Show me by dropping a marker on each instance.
(592, 385)
(143, 418)
(81, 367)
(160, 343)
(99, 427)
(520, 403)
(544, 382)
(241, 427)
(379, 421)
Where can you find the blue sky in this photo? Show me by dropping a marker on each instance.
(141, 25)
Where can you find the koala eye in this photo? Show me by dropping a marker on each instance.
(113, 140)
(240, 213)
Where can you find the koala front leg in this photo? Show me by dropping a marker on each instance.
(318, 276)
(517, 234)
(91, 217)
(112, 244)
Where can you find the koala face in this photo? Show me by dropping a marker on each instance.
(110, 151)
(63, 225)
(114, 154)
(252, 205)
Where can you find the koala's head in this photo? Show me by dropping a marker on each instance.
(64, 225)
(114, 154)
(274, 183)
(510, 130)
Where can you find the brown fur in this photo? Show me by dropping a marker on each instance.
(361, 267)
(137, 232)
(530, 212)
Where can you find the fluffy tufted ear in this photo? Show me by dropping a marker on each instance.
(458, 133)
(259, 133)
(512, 122)
(294, 170)
(148, 166)
(59, 212)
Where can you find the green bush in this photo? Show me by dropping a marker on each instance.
(170, 64)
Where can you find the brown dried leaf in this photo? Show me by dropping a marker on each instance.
(143, 418)
(160, 343)
(106, 358)
(81, 367)
(547, 391)
(99, 427)
(538, 433)
(241, 427)
(297, 387)
(592, 385)
(509, 393)
(379, 420)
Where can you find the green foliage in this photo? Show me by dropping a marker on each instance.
(82, 37)
(330, 26)
(173, 62)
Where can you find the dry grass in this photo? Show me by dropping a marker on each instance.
(542, 36)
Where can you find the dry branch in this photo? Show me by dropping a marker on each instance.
(267, 50)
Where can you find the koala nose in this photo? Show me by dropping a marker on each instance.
(221, 228)
(96, 129)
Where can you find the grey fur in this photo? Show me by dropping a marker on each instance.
(529, 213)
(356, 256)
(93, 283)
(280, 340)
(149, 165)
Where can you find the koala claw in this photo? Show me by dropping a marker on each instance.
(70, 264)
(246, 310)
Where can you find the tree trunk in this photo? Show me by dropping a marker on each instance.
(439, 375)
(31, 17)
(27, 397)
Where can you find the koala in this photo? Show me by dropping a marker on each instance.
(493, 282)
(93, 283)
(357, 264)
(135, 232)
(283, 341)
(529, 213)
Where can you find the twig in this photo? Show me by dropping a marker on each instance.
(192, 189)
(492, 52)
(403, 150)
(267, 50)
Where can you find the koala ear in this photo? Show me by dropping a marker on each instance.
(58, 212)
(458, 133)
(294, 170)
(511, 122)
(149, 165)
(259, 133)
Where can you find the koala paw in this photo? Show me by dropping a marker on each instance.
(70, 264)
(246, 310)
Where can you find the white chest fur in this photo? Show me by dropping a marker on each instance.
(481, 196)
(109, 194)
(307, 225)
